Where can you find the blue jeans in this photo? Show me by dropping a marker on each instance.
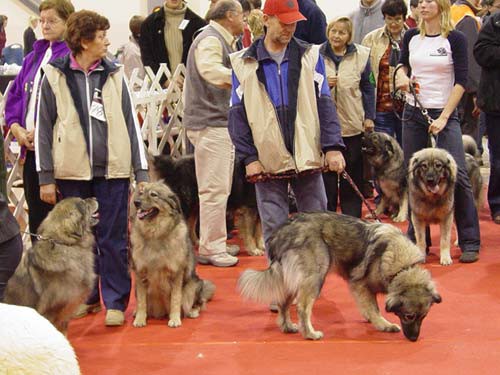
(387, 122)
(10, 256)
(493, 129)
(111, 263)
(272, 200)
(415, 137)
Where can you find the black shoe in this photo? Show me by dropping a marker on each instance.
(469, 257)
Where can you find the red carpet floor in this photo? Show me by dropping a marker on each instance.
(459, 336)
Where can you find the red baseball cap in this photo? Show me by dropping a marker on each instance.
(287, 11)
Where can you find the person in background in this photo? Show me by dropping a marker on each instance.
(20, 108)
(436, 56)
(207, 90)
(256, 23)
(257, 4)
(88, 144)
(413, 18)
(167, 34)
(366, 19)
(349, 73)
(29, 37)
(3, 36)
(286, 129)
(464, 16)
(487, 55)
(131, 54)
(313, 29)
(385, 44)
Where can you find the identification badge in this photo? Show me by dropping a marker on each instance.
(183, 24)
(97, 108)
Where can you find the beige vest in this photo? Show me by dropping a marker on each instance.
(347, 94)
(69, 147)
(263, 120)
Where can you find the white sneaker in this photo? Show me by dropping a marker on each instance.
(218, 260)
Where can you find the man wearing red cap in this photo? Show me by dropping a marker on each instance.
(282, 120)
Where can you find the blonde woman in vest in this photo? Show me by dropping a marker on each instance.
(348, 72)
(435, 57)
(385, 44)
(88, 143)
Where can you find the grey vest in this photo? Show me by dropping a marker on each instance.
(206, 104)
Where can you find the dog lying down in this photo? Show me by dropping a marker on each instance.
(372, 257)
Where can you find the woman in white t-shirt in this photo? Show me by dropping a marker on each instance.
(435, 56)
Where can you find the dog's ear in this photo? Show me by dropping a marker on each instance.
(393, 304)
(174, 203)
(389, 148)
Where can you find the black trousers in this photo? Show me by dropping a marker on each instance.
(37, 209)
(341, 190)
(10, 256)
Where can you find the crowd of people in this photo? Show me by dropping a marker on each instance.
(273, 85)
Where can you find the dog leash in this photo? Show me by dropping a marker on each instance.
(346, 176)
(42, 238)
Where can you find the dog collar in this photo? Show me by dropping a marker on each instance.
(391, 278)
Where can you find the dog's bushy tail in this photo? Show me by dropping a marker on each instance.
(207, 291)
(263, 286)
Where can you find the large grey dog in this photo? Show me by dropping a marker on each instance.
(385, 155)
(57, 274)
(431, 181)
(163, 259)
(372, 257)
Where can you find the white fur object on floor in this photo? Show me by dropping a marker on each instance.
(30, 344)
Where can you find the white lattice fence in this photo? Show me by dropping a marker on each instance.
(161, 108)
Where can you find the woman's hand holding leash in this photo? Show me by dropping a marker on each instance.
(335, 161)
(437, 125)
(48, 193)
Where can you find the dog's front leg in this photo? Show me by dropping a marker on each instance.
(445, 241)
(367, 304)
(141, 293)
(403, 209)
(175, 301)
(419, 227)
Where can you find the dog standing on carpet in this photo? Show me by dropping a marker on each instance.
(57, 274)
(180, 175)
(431, 180)
(163, 259)
(372, 257)
(385, 155)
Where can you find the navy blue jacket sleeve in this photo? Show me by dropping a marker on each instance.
(239, 129)
(458, 45)
(368, 92)
(331, 137)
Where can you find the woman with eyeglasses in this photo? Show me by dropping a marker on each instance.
(20, 109)
(435, 57)
(385, 44)
(348, 72)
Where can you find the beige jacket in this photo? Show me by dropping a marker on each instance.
(347, 94)
(263, 120)
(69, 148)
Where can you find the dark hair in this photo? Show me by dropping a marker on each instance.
(134, 26)
(245, 4)
(83, 25)
(394, 8)
(257, 4)
(414, 3)
(63, 8)
(220, 9)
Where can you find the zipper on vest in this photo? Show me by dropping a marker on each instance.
(91, 143)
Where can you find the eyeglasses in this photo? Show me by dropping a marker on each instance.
(50, 22)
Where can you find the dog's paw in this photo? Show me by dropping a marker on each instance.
(314, 335)
(174, 322)
(255, 252)
(391, 328)
(193, 313)
(291, 328)
(399, 218)
(139, 321)
(446, 260)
